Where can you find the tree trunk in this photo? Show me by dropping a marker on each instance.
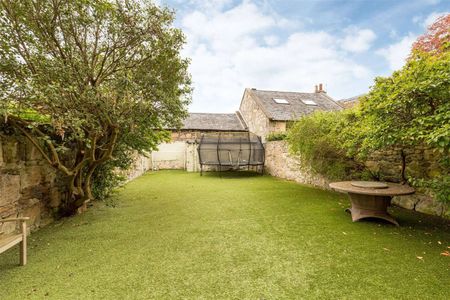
(83, 165)
(403, 156)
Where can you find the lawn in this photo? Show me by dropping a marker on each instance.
(173, 235)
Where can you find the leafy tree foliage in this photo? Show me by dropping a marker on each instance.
(325, 141)
(408, 109)
(411, 108)
(436, 38)
(86, 79)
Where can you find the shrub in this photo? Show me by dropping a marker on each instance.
(320, 141)
(276, 136)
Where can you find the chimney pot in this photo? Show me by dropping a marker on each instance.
(320, 87)
(317, 89)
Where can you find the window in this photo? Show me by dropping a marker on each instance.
(309, 102)
(280, 101)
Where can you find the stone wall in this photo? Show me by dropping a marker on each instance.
(140, 165)
(277, 126)
(30, 187)
(254, 117)
(280, 163)
(420, 161)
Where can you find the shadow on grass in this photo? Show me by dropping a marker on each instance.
(419, 221)
(232, 174)
(11, 265)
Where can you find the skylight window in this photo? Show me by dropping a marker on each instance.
(309, 102)
(280, 101)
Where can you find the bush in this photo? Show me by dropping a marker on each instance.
(320, 141)
(276, 136)
(107, 177)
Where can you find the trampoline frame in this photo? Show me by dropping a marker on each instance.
(220, 164)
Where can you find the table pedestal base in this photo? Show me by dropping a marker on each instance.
(369, 206)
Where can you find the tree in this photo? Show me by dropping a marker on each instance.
(84, 78)
(436, 37)
(411, 108)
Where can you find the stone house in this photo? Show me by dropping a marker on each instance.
(350, 102)
(266, 112)
(181, 152)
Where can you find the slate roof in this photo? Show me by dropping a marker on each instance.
(350, 102)
(214, 122)
(296, 107)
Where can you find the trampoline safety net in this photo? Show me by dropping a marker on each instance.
(231, 150)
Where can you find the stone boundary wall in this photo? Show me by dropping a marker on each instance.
(30, 187)
(280, 163)
(140, 165)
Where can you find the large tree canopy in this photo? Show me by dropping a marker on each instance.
(81, 77)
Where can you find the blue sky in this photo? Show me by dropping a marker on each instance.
(293, 45)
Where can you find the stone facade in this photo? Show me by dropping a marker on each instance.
(255, 118)
(31, 187)
(280, 163)
(257, 121)
(263, 112)
(277, 126)
(186, 136)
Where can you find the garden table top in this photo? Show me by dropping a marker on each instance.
(374, 188)
(370, 199)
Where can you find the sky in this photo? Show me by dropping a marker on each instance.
(288, 45)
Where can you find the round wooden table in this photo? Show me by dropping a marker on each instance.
(370, 199)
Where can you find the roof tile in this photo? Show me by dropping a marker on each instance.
(213, 122)
(296, 107)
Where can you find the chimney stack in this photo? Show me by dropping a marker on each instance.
(319, 89)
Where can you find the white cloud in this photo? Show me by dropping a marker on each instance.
(397, 53)
(240, 47)
(431, 18)
(358, 40)
(271, 40)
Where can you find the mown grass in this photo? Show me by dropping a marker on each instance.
(175, 235)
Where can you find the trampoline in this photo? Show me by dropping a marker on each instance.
(231, 150)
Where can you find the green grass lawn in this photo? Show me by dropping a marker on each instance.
(172, 235)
